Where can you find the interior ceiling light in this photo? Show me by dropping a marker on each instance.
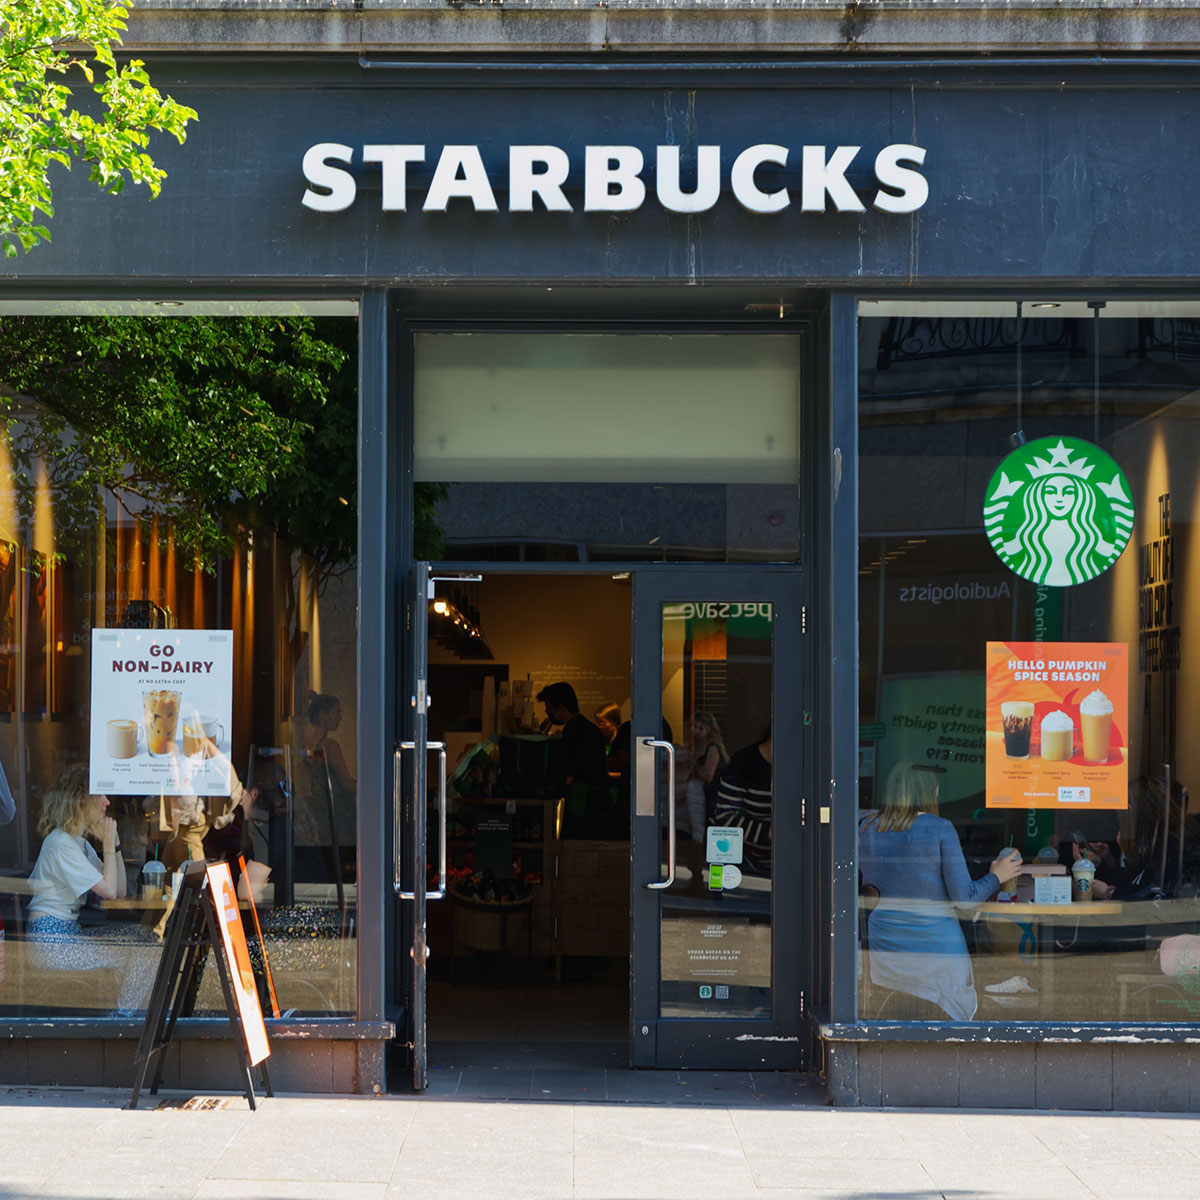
(1046, 304)
(455, 625)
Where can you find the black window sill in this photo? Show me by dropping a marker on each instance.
(326, 1028)
(1060, 1032)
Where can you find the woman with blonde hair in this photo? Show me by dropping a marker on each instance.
(67, 870)
(911, 858)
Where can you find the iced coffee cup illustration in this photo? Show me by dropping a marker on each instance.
(122, 738)
(1095, 720)
(1058, 736)
(161, 709)
(1017, 718)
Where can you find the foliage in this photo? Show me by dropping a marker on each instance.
(208, 424)
(45, 46)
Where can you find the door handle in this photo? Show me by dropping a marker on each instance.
(670, 749)
(397, 885)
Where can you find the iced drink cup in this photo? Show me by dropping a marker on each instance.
(1058, 740)
(1017, 718)
(1083, 873)
(161, 709)
(1095, 721)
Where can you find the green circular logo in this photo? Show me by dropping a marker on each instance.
(1058, 511)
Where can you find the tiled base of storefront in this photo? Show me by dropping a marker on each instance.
(1101, 1077)
(302, 1060)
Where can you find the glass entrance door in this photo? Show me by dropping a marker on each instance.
(720, 771)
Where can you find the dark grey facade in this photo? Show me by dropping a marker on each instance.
(1048, 177)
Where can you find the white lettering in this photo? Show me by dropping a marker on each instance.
(609, 167)
(524, 182)
(394, 160)
(460, 174)
(912, 185)
(821, 177)
(320, 174)
(741, 178)
(708, 180)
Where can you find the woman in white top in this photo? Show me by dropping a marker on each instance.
(67, 869)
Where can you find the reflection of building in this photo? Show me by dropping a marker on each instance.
(799, 407)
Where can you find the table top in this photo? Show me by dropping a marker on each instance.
(1081, 908)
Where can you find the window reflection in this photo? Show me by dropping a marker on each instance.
(717, 672)
(177, 474)
(940, 399)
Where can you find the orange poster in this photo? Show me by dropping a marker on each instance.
(237, 954)
(1057, 725)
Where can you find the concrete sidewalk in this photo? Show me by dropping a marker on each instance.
(63, 1143)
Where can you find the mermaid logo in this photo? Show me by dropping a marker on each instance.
(1058, 511)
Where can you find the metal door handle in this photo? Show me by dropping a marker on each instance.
(670, 749)
(397, 886)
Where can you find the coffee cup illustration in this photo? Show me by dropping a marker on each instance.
(202, 735)
(1058, 736)
(1095, 719)
(122, 737)
(161, 710)
(1017, 719)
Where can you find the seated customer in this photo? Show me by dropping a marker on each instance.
(66, 871)
(914, 859)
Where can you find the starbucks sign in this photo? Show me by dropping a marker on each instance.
(1058, 511)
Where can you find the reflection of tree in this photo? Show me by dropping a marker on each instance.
(208, 424)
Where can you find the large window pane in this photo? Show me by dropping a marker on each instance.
(1037, 713)
(162, 479)
(608, 447)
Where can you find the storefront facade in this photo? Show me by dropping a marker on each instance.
(745, 341)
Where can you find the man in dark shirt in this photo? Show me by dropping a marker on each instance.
(589, 807)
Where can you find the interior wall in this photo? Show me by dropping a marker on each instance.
(575, 628)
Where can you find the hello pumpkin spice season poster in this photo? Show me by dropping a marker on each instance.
(1057, 725)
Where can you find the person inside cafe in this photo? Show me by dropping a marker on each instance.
(912, 862)
(608, 721)
(744, 800)
(68, 870)
(589, 810)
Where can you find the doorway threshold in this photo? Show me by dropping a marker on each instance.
(599, 1073)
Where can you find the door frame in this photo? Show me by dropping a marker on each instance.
(778, 1042)
(802, 313)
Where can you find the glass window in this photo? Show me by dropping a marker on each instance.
(178, 529)
(1029, 499)
(610, 447)
(717, 673)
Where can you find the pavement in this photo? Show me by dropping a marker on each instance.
(686, 1142)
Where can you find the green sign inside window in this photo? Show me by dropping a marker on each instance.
(1058, 511)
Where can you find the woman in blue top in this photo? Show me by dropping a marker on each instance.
(914, 859)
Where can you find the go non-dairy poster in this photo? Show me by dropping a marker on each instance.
(1057, 724)
(162, 708)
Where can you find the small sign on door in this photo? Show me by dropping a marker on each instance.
(724, 844)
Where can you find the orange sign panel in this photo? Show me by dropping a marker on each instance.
(237, 954)
(1057, 725)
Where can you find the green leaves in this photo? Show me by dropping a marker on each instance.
(47, 48)
(210, 425)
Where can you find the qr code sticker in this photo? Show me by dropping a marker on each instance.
(722, 991)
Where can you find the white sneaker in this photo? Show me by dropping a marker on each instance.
(1018, 985)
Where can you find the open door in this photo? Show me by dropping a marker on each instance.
(411, 796)
(719, 931)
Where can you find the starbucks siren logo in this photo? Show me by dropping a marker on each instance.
(1058, 511)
